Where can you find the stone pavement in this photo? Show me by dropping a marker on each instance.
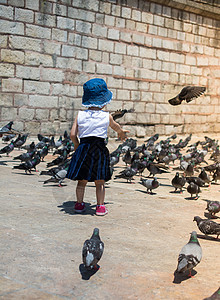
(42, 239)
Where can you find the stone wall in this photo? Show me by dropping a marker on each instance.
(146, 51)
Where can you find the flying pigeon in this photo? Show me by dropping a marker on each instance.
(215, 296)
(207, 226)
(188, 93)
(190, 255)
(92, 251)
(58, 177)
(150, 184)
(178, 182)
(213, 207)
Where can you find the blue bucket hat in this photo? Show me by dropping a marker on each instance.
(96, 93)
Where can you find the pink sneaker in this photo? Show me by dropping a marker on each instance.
(101, 210)
(79, 207)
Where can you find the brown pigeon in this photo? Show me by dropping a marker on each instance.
(187, 93)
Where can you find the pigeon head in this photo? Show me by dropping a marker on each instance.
(197, 219)
(95, 233)
(193, 237)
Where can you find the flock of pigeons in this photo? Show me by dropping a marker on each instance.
(153, 156)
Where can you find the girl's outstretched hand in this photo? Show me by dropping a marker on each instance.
(122, 134)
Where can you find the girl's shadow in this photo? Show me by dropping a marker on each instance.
(86, 274)
(68, 208)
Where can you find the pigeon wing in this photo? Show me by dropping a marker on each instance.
(190, 92)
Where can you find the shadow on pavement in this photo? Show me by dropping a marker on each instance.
(179, 277)
(86, 274)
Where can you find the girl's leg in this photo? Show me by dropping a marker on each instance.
(100, 191)
(80, 190)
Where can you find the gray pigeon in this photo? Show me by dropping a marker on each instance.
(58, 177)
(178, 182)
(92, 250)
(190, 255)
(193, 188)
(150, 184)
(204, 176)
(207, 226)
(213, 207)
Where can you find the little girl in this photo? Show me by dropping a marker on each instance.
(90, 161)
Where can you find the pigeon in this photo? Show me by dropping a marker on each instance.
(193, 188)
(150, 184)
(7, 149)
(58, 143)
(178, 182)
(25, 156)
(30, 164)
(58, 177)
(42, 138)
(190, 255)
(204, 176)
(215, 296)
(213, 207)
(92, 251)
(29, 147)
(7, 129)
(120, 113)
(189, 171)
(114, 159)
(127, 157)
(198, 181)
(59, 160)
(207, 226)
(20, 141)
(155, 168)
(216, 175)
(128, 174)
(8, 137)
(43, 152)
(188, 93)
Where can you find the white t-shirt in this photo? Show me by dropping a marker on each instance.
(93, 123)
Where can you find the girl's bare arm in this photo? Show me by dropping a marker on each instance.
(116, 127)
(73, 134)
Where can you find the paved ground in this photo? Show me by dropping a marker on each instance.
(42, 239)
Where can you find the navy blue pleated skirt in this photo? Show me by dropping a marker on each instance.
(90, 161)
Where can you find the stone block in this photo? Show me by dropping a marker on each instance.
(105, 8)
(147, 18)
(54, 114)
(3, 41)
(130, 84)
(82, 53)
(33, 5)
(140, 131)
(119, 22)
(123, 94)
(158, 20)
(36, 87)
(181, 35)
(12, 85)
(147, 53)
(38, 31)
(160, 129)
(76, 78)
(126, 12)
(81, 14)
(136, 15)
(89, 42)
(19, 3)
(36, 59)
(167, 44)
(135, 96)
(43, 101)
(157, 42)
(131, 25)
(9, 113)
(24, 15)
(59, 10)
(52, 75)
(28, 72)
(139, 107)
(6, 12)
(114, 82)
(113, 34)
(7, 70)
(46, 19)
(152, 29)
(202, 61)
(130, 118)
(162, 31)
(26, 113)
(83, 27)
(11, 56)
(19, 42)
(32, 126)
(125, 36)
(99, 30)
(103, 68)
(95, 55)
(42, 114)
(165, 119)
(59, 35)
(20, 100)
(143, 118)
(11, 27)
(168, 66)
(66, 23)
(163, 76)
(147, 63)
(119, 71)
(109, 20)
(74, 39)
(141, 27)
(88, 4)
(169, 23)
(116, 10)
(163, 108)
(104, 45)
(59, 89)
(133, 50)
(100, 19)
(120, 48)
(68, 51)
(89, 66)
(156, 65)
(6, 99)
(115, 59)
(172, 33)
